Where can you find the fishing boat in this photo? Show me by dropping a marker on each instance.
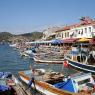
(47, 60)
(82, 58)
(55, 83)
(13, 45)
(30, 51)
(50, 58)
(23, 54)
(10, 85)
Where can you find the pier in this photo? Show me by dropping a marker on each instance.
(21, 89)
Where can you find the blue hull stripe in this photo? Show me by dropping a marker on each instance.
(82, 66)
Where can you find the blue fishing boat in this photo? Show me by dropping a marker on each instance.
(76, 82)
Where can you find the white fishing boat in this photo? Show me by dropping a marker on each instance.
(47, 60)
(82, 58)
(28, 52)
(23, 54)
(13, 45)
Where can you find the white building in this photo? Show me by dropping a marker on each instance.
(63, 33)
(49, 33)
(84, 29)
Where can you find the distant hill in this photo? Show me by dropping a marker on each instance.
(33, 35)
(4, 36)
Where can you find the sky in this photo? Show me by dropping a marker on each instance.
(23, 16)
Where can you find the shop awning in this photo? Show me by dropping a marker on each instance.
(84, 40)
(92, 41)
(72, 40)
(39, 42)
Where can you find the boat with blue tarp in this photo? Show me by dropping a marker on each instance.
(55, 83)
(76, 82)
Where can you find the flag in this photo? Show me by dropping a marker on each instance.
(65, 64)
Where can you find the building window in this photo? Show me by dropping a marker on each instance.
(85, 30)
(67, 34)
(81, 31)
(89, 29)
(58, 34)
(76, 31)
(62, 35)
(75, 34)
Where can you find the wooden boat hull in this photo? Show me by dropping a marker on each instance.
(81, 66)
(43, 87)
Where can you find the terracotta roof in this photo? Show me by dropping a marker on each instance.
(85, 21)
(63, 29)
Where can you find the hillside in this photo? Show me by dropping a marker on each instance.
(33, 36)
(4, 36)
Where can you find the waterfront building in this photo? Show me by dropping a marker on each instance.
(50, 33)
(84, 29)
(63, 33)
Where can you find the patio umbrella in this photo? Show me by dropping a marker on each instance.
(84, 40)
(56, 41)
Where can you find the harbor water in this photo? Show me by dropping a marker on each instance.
(11, 61)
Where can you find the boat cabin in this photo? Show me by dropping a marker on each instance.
(82, 54)
(77, 83)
